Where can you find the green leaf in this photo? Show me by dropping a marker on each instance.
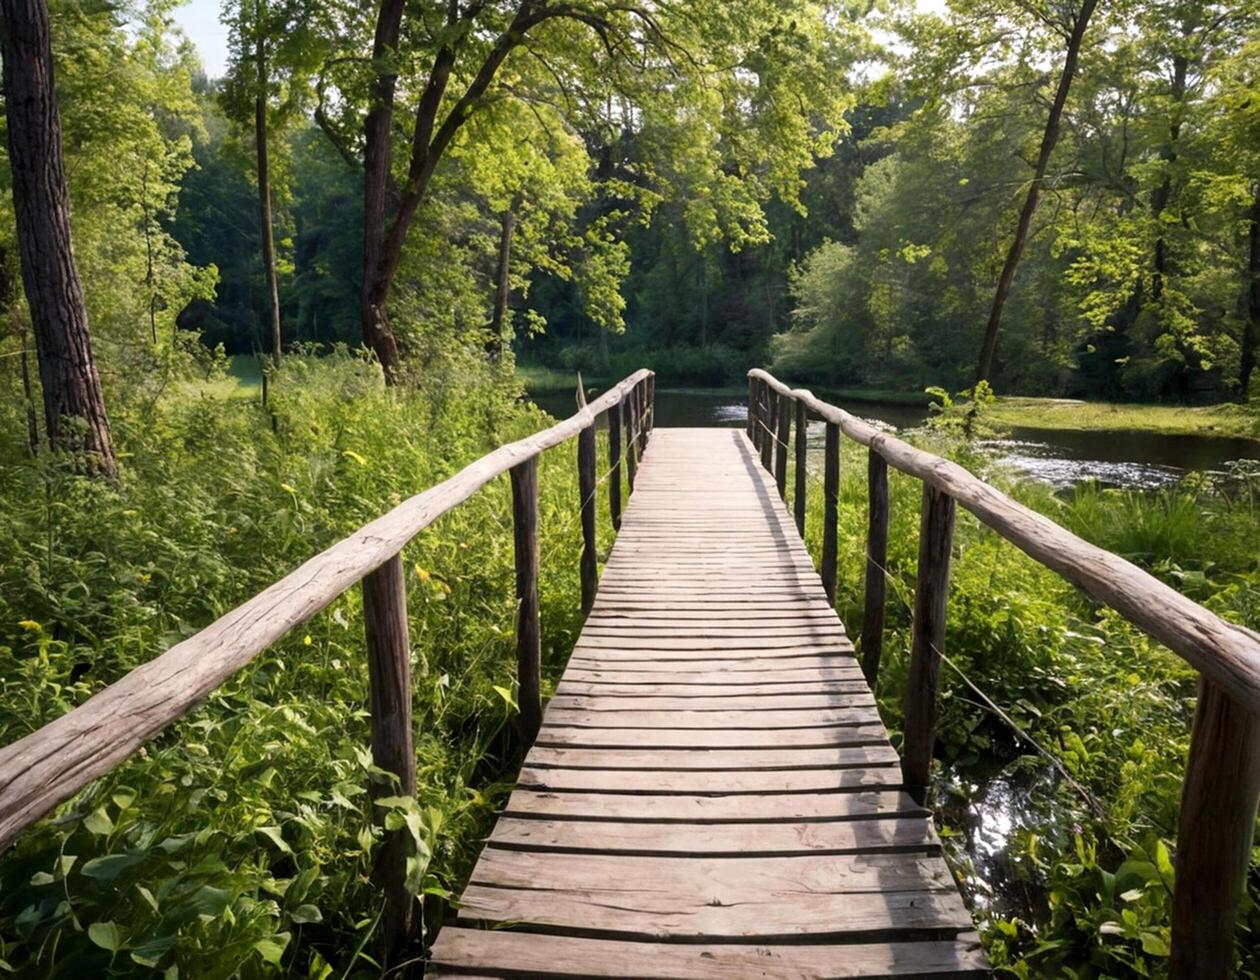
(273, 834)
(42, 878)
(106, 869)
(98, 822)
(150, 952)
(306, 913)
(272, 948)
(106, 935)
(1154, 944)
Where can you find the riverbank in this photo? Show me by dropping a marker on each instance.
(1063, 414)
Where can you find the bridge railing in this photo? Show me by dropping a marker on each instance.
(50, 765)
(1222, 774)
(1222, 782)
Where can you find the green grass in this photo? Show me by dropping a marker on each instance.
(1069, 414)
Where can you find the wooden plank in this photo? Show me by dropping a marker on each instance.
(752, 915)
(705, 689)
(699, 781)
(713, 760)
(470, 952)
(714, 702)
(528, 627)
(731, 808)
(781, 718)
(720, 738)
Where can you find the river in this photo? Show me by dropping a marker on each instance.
(1060, 457)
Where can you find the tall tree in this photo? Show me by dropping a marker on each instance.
(67, 368)
(1075, 36)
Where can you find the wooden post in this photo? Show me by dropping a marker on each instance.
(798, 490)
(528, 634)
(751, 427)
(632, 460)
(936, 531)
(651, 400)
(1214, 838)
(642, 413)
(614, 465)
(781, 447)
(589, 565)
(831, 497)
(770, 424)
(876, 561)
(389, 700)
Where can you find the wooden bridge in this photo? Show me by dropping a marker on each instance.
(710, 791)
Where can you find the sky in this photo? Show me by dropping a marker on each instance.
(200, 21)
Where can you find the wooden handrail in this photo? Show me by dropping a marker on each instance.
(1221, 790)
(1222, 651)
(50, 765)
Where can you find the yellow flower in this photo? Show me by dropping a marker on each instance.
(422, 574)
(306, 640)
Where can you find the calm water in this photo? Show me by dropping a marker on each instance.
(1061, 458)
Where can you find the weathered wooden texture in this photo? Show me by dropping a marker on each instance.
(784, 418)
(936, 532)
(587, 482)
(614, 465)
(632, 448)
(712, 793)
(877, 515)
(1222, 651)
(1216, 830)
(528, 628)
(393, 748)
(831, 499)
(800, 468)
(50, 765)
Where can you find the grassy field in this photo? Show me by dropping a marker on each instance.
(1061, 413)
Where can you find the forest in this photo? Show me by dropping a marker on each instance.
(245, 311)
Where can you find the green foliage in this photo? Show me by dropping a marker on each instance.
(240, 842)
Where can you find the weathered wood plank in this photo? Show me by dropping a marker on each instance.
(720, 738)
(713, 760)
(730, 808)
(699, 781)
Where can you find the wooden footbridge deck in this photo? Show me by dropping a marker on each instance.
(710, 792)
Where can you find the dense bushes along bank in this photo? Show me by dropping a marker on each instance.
(240, 841)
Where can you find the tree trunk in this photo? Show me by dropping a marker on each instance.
(264, 189)
(1251, 329)
(1163, 194)
(502, 284)
(1049, 137)
(67, 370)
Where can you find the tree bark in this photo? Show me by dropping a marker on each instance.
(502, 284)
(63, 344)
(264, 187)
(1048, 140)
(1251, 329)
(1163, 194)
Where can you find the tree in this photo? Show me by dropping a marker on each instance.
(748, 96)
(1074, 31)
(54, 294)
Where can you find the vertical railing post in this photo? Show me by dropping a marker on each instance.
(1215, 834)
(528, 633)
(651, 401)
(642, 412)
(770, 425)
(798, 490)
(936, 531)
(632, 459)
(831, 498)
(389, 700)
(781, 446)
(614, 465)
(751, 427)
(876, 561)
(589, 566)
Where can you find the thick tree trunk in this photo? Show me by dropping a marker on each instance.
(67, 370)
(264, 194)
(1251, 329)
(1049, 137)
(502, 284)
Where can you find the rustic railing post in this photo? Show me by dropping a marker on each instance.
(632, 459)
(936, 531)
(798, 490)
(528, 634)
(781, 446)
(651, 400)
(751, 426)
(589, 566)
(389, 700)
(831, 498)
(1214, 835)
(614, 465)
(876, 561)
(770, 417)
(641, 399)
